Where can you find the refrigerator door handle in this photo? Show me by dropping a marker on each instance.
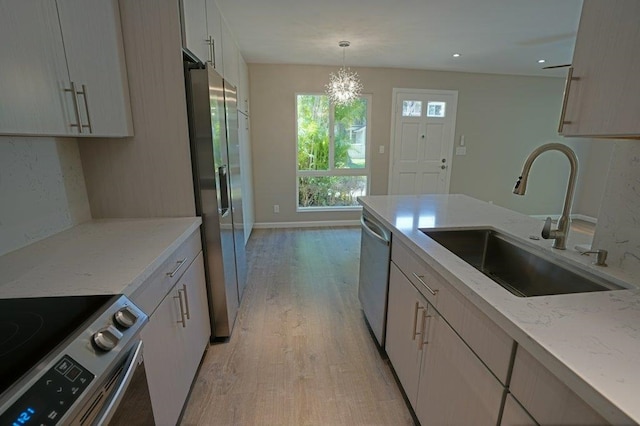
(224, 190)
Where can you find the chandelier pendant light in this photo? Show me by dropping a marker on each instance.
(344, 87)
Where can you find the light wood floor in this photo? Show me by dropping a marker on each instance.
(300, 353)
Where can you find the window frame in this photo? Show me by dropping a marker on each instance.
(332, 171)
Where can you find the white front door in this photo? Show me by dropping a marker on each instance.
(422, 139)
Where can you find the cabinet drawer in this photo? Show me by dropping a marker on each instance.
(545, 397)
(417, 271)
(149, 295)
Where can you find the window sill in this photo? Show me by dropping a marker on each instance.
(328, 209)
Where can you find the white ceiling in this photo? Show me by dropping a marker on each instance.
(493, 36)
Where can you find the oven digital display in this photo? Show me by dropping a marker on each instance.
(46, 402)
(25, 417)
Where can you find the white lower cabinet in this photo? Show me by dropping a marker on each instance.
(174, 341)
(514, 414)
(445, 382)
(403, 345)
(545, 397)
(455, 387)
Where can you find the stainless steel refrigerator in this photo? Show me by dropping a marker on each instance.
(215, 158)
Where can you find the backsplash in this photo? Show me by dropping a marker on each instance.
(618, 228)
(42, 189)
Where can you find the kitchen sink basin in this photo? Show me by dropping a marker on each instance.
(515, 267)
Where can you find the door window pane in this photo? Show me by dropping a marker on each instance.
(411, 108)
(330, 191)
(436, 109)
(350, 134)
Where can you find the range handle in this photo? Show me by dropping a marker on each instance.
(133, 361)
(224, 190)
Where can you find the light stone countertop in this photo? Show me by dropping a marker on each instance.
(107, 256)
(591, 341)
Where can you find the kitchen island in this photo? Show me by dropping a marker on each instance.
(589, 341)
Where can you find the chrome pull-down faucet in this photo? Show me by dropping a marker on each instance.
(560, 234)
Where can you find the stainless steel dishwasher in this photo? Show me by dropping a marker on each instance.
(375, 252)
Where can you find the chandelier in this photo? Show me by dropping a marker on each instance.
(344, 87)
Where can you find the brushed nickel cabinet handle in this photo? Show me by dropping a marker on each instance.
(415, 320)
(175, 271)
(213, 51)
(86, 109)
(76, 107)
(426, 319)
(421, 279)
(565, 99)
(186, 300)
(182, 314)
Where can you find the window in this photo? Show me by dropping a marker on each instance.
(332, 147)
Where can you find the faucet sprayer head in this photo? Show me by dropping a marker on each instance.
(521, 186)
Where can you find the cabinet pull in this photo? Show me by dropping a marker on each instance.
(86, 108)
(415, 320)
(76, 107)
(426, 322)
(186, 300)
(420, 278)
(175, 271)
(213, 52)
(182, 314)
(565, 99)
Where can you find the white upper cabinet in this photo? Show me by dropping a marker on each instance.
(243, 86)
(95, 56)
(202, 31)
(63, 70)
(603, 89)
(229, 56)
(33, 74)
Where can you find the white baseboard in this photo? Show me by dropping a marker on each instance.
(309, 224)
(573, 216)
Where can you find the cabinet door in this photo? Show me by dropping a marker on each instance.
(455, 386)
(405, 313)
(604, 95)
(95, 56)
(243, 86)
(164, 357)
(198, 330)
(34, 75)
(214, 30)
(194, 29)
(546, 397)
(229, 55)
(514, 414)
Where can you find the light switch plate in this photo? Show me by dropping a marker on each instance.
(461, 150)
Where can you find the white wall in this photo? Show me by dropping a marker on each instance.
(42, 189)
(502, 117)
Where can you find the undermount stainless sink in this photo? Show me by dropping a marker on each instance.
(517, 269)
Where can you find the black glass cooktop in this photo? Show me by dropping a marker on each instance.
(30, 328)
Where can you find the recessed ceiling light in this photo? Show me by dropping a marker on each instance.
(456, 55)
(542, 61)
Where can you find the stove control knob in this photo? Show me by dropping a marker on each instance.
(125, 317)
(107, 338)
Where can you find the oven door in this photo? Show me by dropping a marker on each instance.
(124, 399)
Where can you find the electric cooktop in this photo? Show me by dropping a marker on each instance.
(30, 328)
